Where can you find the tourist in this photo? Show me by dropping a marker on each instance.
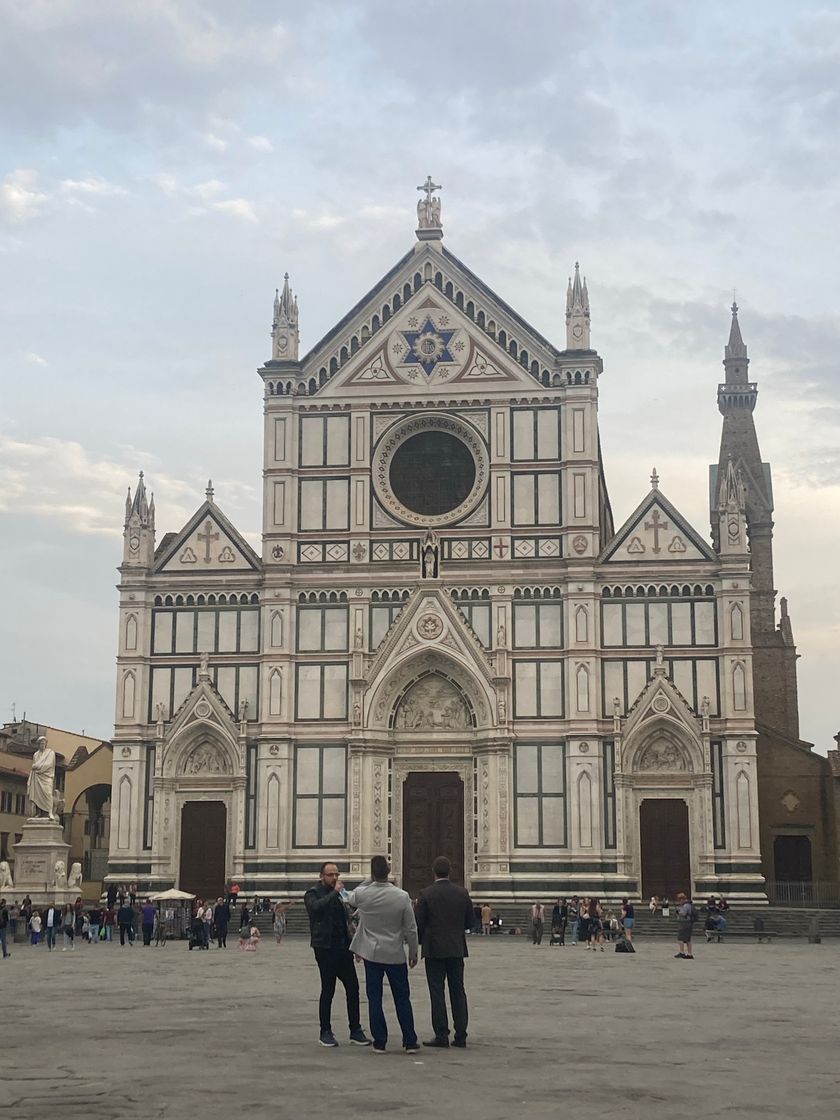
(110, 922)
(147, 917)
(233, 893)
(686, 917)
(111, 896)
(249, 938)
(486, 919)
(78, 916)
(125, 920)
(559, 921)
(14, 918)
(68, 927)
(207, 918)
(132, 894)
(583, 922)
(596, 925)
(160, 927)
(4, 926)
(443, 913)
(653, 904)
(95, 920)
(35, 927)
(330, 941)
(537, 923)
(121, 894)
(26, 909)
(386, 926)
(244, 917)
(279, 921)
(574, 918)
(221, 920)
(628, 917)
(52, 923)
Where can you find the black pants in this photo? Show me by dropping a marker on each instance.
(126, 931)
(221, 934)
(337, 964)
(148, 930)
(451, 970)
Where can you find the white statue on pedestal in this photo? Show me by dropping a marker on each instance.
(40, 785)
(60, 873)
(74, 879)
(6, 883)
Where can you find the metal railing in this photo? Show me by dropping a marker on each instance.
(796, 892)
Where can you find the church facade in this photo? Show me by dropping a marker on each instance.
(446, 645)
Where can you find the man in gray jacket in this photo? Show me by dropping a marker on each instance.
(386, 926)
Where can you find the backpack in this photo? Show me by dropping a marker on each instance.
(694, 916)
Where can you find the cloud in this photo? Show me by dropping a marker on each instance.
(215, 143)
(261, 143)
(20, 197)
(237, 208)
(35, 359)
(94, 186)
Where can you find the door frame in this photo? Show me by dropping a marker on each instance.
(683, 801)
(224, 793)
(404, 766)
(695, 791)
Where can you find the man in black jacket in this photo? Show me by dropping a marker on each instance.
(330, 940)
(444, 912)
(125, 920)
(221, 920)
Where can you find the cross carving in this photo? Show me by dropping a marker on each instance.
(207, 536)
(656, 524)
(429, 187)
(500, 548)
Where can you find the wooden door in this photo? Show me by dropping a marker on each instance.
(665, 854)
(203, 841)
(433, 825)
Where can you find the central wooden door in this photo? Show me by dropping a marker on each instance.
(203, 842)
(666, 856)
(433, 825)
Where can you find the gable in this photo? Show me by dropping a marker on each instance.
(656, 532)
(437, 273)
(428, 346)
(207, 543)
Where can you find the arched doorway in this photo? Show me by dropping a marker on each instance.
(665, 847)
(203, 846)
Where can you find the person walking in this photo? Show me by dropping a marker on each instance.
(386, 926)
(4, 926)
(95, 919)
(14, 918)
(52, 921)
(443, 914)
(125, 920)
(147, 915)
(574, 918)
(628, 918)
(68, 927)
(559, 920)
(221, 920)
(329, 939)
(486, 918)
(110, 923)
(686, 917)
(279, 921)
(207, 918)
(35, 927)
(537, 923)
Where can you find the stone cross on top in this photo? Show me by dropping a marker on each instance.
(428, 208)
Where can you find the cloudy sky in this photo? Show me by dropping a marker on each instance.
(163, 163)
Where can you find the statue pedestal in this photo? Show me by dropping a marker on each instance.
(36, 854)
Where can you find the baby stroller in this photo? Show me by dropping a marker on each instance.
(558, 935)
(197, 934)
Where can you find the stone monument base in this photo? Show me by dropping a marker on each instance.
(37, 852)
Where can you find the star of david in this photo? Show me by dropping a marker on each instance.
(427, 347)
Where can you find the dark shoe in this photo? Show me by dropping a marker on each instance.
(327, 1038)
(441, 1043)
(412, 1049)
(679, 956)
(378, 1049)
(461, 1043)
(359, 1038)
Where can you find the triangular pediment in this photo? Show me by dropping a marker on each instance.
(429, 620)
(207, 543)
(656, 532)
(372, 346)
(661, 732)
(203, 735)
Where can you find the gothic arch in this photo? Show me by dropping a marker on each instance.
(386, 694)
(663, 745)
(201, 733)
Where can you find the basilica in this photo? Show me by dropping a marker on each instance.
(446, 645)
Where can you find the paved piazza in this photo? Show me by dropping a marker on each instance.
(744, 1030)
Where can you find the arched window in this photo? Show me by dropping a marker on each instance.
(736, 623)
(739, 687)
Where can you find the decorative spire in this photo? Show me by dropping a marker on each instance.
(577, 313)
(140, 505)
(732, 494)
(735, 348)
(429, 223)
(139, 529)
(285, 336)
(128, 505)
(654, 480)
(208, 493)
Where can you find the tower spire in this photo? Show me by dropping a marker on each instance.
(139, 528)
(577, 313)
(285, 336)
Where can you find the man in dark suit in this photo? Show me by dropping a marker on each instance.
(444, 912)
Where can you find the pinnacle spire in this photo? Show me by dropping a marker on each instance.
(140, 505)
(577, 313)
(735, 348)
(284, 325)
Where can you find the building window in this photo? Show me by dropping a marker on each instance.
(172, 684)
(206, 631)
(658, 623)
(477, 614)
(325, 441)
(718, 806)
(537, 625)
(320, 797)
(322, 628)
(695, 678)
(324, 504)
(321, 691)
(535, 433)
(5, 801)
(20, 803)
(540, 791)
(537, 689)
(536, 498)
(609, 795)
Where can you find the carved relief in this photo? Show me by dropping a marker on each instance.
(433, 703)
(661, 755)
(430, 626)
(205, 759)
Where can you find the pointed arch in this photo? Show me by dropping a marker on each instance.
(582, 688)
(275, 691)
(736, 622)
(131, 632)
(584, 801)
(272, 816)
(276, 629)
(743, 809)
(124, 812)
(129, 690)
(739, 687)
(581, 624)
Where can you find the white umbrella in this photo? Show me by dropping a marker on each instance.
(173, 896)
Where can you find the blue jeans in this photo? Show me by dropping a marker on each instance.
(397, 974)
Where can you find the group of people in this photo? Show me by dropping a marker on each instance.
(70, 921)
(211, 922)
(585, 920)
(377, 924)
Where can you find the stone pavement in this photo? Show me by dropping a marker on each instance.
(744, 1030)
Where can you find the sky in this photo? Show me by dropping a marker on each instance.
(163, 164)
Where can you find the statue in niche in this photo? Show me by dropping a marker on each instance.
(430, 556)
(433, 704)
(662, 755)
